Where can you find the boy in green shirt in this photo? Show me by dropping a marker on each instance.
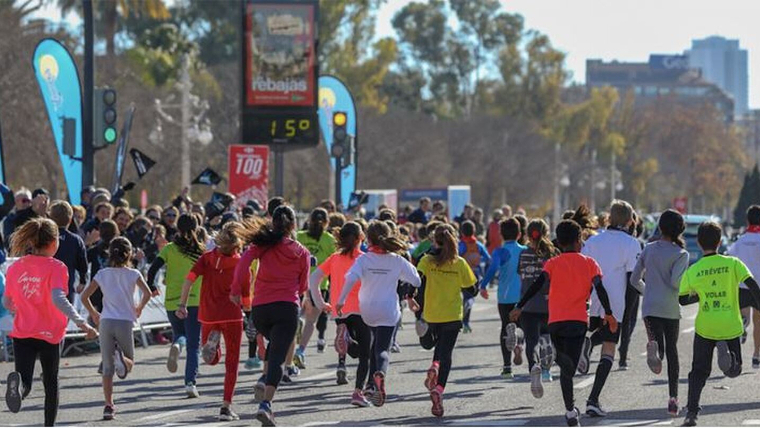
(713, 282)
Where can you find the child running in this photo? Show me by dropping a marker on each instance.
(218, 315)
(445, 276)
(351, 327)
(571, 276)
(179, 258)
(117, 319)
(35, 294)
(504, 261)
(379, 271)
(475, 254)
(713, 282)
(662, 264)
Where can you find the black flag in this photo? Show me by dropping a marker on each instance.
(142, 162)
(208, 177)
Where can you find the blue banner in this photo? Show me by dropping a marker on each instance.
(57, 75)
(333, 97)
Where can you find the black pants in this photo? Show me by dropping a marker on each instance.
(278, 322)
(702, 365)
(445, 336)
(664, 331)
(26, 352)
(504, 310)
(567, 337)
(534, 325)
(361, 334)
(630, 316)
(251, 343)
(382, 339)
(468, 300)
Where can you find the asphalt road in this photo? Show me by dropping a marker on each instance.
(475, 396)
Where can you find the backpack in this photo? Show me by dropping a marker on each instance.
(472, 254)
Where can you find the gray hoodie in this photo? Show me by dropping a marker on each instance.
(661, 265)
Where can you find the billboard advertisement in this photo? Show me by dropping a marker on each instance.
(669, 62)
(249, 173)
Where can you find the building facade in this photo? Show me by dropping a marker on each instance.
(724, 63)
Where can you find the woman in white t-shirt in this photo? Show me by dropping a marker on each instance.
(117, 283)
(379, 271)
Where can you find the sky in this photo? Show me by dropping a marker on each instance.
(616, 29)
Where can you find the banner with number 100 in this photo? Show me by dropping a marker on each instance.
(248, 168)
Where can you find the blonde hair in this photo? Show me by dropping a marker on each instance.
(229, 240)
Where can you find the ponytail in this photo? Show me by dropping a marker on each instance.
(188, 240)
(379, 234)
(538, 234)
(271, 233)
(33, 237)
(349, 237)
(447, 244)
(119, 252)
(317, 223)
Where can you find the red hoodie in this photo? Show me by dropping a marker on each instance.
(283, 273)
(217, 271)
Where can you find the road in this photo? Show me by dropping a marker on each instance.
(475, 396)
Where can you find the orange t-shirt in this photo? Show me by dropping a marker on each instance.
(571, 276)
(336, 266)
(29, 284)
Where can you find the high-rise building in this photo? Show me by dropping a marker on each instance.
(724, 63)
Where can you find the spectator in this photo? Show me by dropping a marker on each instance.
(169, 221)
(494, 239)
(421, 214)
(39, 207)
(480, 228)
(90, 230)
(123, 217)
(466, 214)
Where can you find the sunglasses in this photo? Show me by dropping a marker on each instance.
(170, 215)
(154, 218)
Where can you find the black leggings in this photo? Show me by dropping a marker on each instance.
(382, 339)
(664, 331)
(567, 337)
(251, 343)
(278, 322)
(504, 310)
(630, 316)
(361, 334)
(26, 352)
(445, 336)
(534, 325)
(702, 365)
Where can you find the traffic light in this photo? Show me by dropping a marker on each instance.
(104, 117)
(341, 147)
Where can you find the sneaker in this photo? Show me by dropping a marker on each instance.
(378, 397)
(171, 362)
(299, 358)
(623, 366)
(573, 418)
(546, 376)
(341, 340)
(595, 410)
(583, 361)
(518, 359)
(109, 412)
(13, 392)
(369, 391)
(691, 420)
(673, 406)
(725, 359)
(286, 379)
(436, 396)
(192, 391)
(510, 337)
(431, 380)
(342, 374)
(506, 373)
(210, 349)
(120, 365)
(250, 330)
(253, 363)
(466, 329)
(421, 327)
(226, 415)
(395, 348)
(260, 388)
(265, 414)
(546, 352)
(653, 357)
(359, 400)
(160, 339)
(321, 345)
(756, 362)
(293, 371)
(536, 387)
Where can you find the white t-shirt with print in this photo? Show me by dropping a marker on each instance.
(747, 249)
(118, 287)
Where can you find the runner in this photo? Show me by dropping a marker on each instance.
(504, 261)
(535, 315)
(117, 319)
(662, 264)
(476, 256)
(179, 258)
(568, 319)
(351, 327)
(281, 280)
(615, 251)
(36, 288)
(218, 315)
(713, 282)
(632, 301)
(379, 271)
(446, 276)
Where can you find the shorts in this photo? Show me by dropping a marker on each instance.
(325, 297)
(746, 300)
(595, 323)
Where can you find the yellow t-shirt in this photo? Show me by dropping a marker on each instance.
(443, 288)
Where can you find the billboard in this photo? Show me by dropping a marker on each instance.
(668, 62)
(249, 173)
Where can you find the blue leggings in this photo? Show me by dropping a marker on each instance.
(187, 333)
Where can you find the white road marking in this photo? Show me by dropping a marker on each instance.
(321, 423)
(325, 375)
(632, 422)
(751, 422)
(688, 330)
(490, 423)
(643, 354)
(481, 308)
(584, 383)
(163, 415)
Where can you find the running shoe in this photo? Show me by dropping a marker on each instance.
(536, 387)
(690, 420)
(260, 388)
(192, 391)
(466, 329)
(13, 392)
(171, 362)
(265, 414)
(160, 339)
(546, 376)
(755, 362)
(431, 380)
(210, 349)
(321, 345)
(595, 410)
(510, 337)
(506, 373)
(369, 391)
(299, 358)
(623, 366)
(286, 379)
(546, 352)
(518, 359)
(359, 400)
(583, 361)
(293, 371)
(341, 340)
(421, 327)
(725, 359)
(109, 412)
(250, 330)
(378, 397)
(573, 418)
(653, 357)
(226, 415)
(253, 363)
(120, 365)
(341, 374)
(436, 396)
(396, 348)
(673, 406)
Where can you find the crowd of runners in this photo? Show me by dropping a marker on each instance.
(251, 272)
